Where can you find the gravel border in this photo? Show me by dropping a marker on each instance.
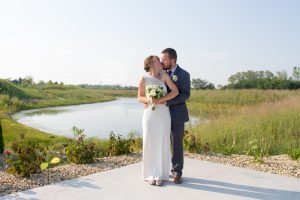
(280, 164)
(11, 184)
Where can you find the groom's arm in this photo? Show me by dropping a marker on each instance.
(184, 94)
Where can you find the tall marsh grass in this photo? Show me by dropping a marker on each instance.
(243, 119)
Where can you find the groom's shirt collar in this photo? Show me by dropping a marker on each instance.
(173, 70)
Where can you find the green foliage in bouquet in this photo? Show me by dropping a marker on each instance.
(154, 91)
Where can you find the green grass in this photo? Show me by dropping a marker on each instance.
(12, 90)
(217, 103)
(241, 119)
(12, 131)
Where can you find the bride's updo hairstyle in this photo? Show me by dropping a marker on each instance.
(148, 62)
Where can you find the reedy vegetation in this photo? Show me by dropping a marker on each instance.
(240, 121)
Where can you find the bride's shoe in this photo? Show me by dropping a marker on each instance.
(159, 183)
(153, 182)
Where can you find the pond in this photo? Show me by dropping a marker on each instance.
(121, 116)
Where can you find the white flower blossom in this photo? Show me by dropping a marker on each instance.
(154, 91)
(174, 78)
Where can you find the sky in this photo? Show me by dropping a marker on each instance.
(106, 41)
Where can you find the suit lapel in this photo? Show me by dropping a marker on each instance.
(176, 72)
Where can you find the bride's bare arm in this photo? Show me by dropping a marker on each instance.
(174, 91)
(141, 92)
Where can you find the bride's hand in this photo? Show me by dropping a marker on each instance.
(150, 100)
(158, 101)
(163, 102)
(155, 101)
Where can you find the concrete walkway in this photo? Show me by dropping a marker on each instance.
(202, 180)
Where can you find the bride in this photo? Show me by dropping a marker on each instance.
(156, 122)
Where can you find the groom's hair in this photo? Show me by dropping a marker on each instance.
(172, 53)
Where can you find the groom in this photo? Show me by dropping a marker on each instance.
(178, 109)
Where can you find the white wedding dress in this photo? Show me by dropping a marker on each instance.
(156, 138)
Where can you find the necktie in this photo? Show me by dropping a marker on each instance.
(170, 72)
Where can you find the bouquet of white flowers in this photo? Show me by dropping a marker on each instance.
(154, 91)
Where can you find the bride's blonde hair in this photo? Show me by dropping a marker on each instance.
(148, 62)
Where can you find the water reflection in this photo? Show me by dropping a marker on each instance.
(194, 121)
(46, 111)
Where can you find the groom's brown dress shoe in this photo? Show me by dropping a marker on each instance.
(177, 180)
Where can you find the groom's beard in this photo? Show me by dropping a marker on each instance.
(167, 67)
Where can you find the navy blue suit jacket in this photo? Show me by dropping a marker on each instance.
(177, 105)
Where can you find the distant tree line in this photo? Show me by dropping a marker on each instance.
(255, 80)
(264, 80)
(241, 80)
(108, 87)
(199, 84)
(28, 82)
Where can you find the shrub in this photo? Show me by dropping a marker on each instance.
(79, 151)
(26, 159)
(294, 153)
(117, 145)
(190, 144)
(9, 103)
(229, 150)
(255, 151)
(1, 139)
(12, 90)
(136, 142)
